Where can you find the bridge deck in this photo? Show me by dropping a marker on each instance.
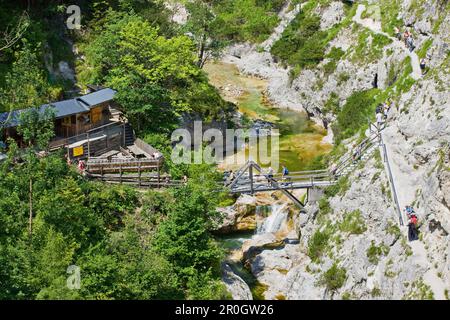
(262, 187)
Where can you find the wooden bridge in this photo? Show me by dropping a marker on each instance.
(145, 173)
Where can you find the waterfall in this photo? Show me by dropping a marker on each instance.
(275, 221)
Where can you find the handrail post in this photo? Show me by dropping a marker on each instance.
(89, 146)
(139, 173)
(251, 178)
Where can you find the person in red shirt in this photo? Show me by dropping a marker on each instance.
(412, 227)
(81, 166)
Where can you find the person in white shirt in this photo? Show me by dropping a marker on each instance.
(379, 117)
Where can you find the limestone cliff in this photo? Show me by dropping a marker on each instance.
(352, 245)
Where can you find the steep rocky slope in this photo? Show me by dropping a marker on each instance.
(351, 244)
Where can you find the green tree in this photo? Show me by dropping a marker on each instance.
(201, 25)
(157, 78)
(25, 85)
(184, 238)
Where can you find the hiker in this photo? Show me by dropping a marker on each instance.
(408, 211)
(412, 227)
(68, 161)
(185, 179)
(270, 173)
(423, 65)
(356, 155)
(333, 170)
(398, 34)
(231, 176)
(379, 117)
(410, 43)
(81, 166)
(386, 109)
(406, 35)
(285, 172)
(379, 108)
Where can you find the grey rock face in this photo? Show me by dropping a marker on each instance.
(379, 262)
(235, 285)
(332, 15)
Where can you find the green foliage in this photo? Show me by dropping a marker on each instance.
(161, 251)
(25, 85)
(246, 20)
(378, 161)
(201, 287)
(303, 45)
(340, 188)
(376, 292)
(318, 243)
(346, 296)
(374, 252)
(157, 78)
(334, 55)
(393, 229)
(353, 223)
(184, 238)
(302, 42)
(390, 10)
(36, 127)
(112, 204)
(422, 52)
(370, 46)
(258, 290)
(324, 206)
(354, 114)
(419, 291)
(334, 278)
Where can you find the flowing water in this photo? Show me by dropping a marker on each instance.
(300, 141)
(300, 138)
(276, 220)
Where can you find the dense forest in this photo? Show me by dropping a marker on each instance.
(128, 244)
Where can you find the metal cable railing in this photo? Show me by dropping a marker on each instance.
(391, 181)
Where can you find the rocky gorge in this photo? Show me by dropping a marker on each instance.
(350, 243)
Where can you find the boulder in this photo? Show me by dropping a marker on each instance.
(236, 286)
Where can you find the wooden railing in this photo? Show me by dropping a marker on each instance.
(109, 128)
(122, 165)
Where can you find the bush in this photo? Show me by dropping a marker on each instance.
(246, 20)
(318, 243)
(332, 104)
(354, 114)
(353, 223)
(334, 278)
(324, 206)
(302, 43)
(374, 252)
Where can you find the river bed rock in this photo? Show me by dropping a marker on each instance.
(236, 286)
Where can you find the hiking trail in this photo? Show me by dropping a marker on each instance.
(375, 26)
(405, 179)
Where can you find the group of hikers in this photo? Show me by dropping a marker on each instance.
(382, 112)
(408, 39)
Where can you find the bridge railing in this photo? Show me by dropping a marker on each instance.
(356, 153)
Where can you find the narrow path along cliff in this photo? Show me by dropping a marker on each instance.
(406, 180)
(376, 27)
